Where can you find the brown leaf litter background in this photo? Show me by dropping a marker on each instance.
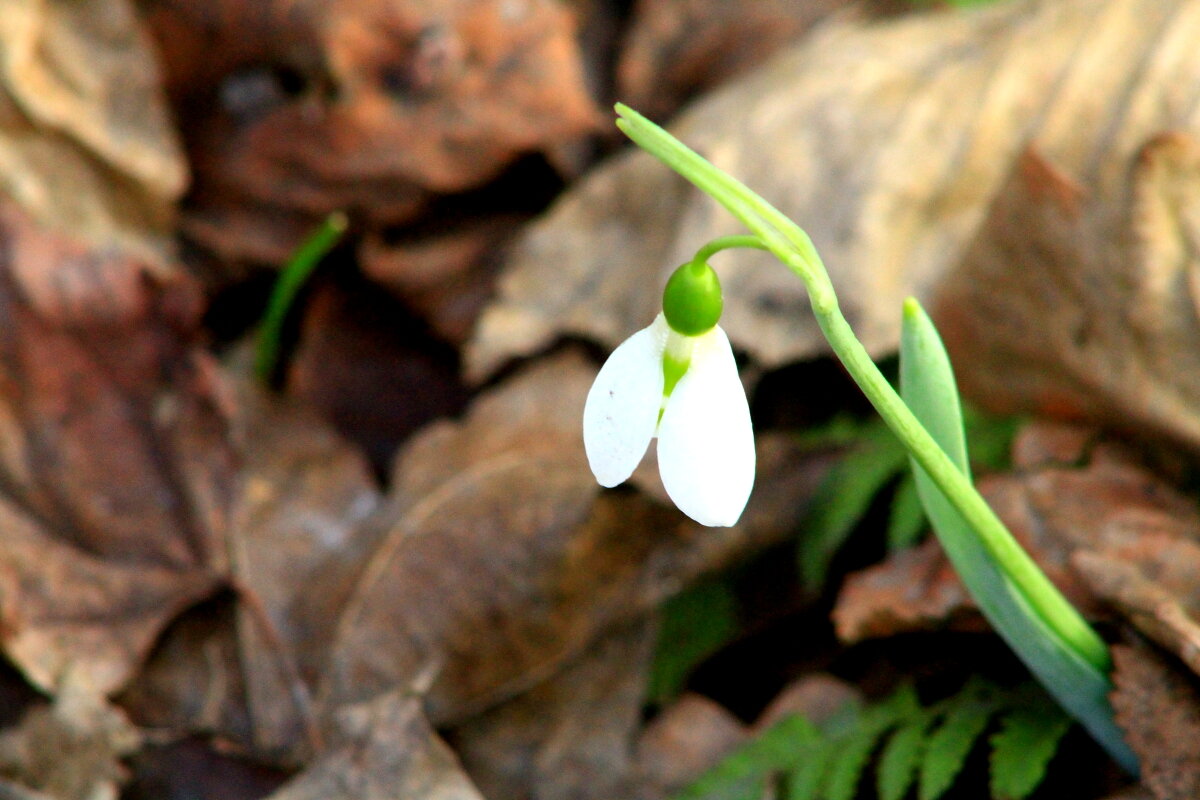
(388, 580)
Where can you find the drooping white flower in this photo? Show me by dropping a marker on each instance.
(705, 439)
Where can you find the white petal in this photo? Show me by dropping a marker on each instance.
(621, 412)
(705, 440)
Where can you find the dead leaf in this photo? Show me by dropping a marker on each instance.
(685, 739)
(1110, 508)
(570, 737)
(499, 564)
(371, 107)
(1158, 706)
(86, 145)
(245, 669)
(71, 749)
(368, 367)
(886, 141)
(1100, 320)
(384, 750)
(676, 49)
(114, 475)
(445, 277)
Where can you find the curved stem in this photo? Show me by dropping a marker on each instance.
(727, 243)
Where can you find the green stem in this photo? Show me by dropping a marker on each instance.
(787, 242)
(1042, 595)
(292, 278)
(727, 243)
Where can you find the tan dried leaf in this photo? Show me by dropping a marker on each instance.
(384, 750)
(72, 748)
(886, 141)
(1158, 706)
(86, 144)
(1079, 298)
(116, 462)
(499, 565)
(570, 737)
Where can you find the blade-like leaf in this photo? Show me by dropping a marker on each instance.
(908, 516)
(928, 388)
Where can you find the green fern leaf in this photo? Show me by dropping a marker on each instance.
(951, 742)
(804, 781)
(1023, 747)
(854, 749)
(779, 748)
(901, 756)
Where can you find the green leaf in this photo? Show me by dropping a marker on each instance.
(292, 278)
(991, 438)
(854, 749)
(948, 746)
(907, 520)
(845, 497)
(1070, 675)
(803, 782)
(900, 758)
(695, 624)
(1022, 749)
(781, 747)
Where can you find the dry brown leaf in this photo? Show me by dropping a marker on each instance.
(1100, 320)
(116, 465)
(1110, 508)
(1158, 706)
(71, 749)
(686, 738)
(294, 110)
(676, 49)
(886, 141)
(572, 736)
(383, 750)
(244, 670)
(86, 145)
(499, 565)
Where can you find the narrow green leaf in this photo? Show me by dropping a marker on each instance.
(928, 388)
(292, 278)
(695, 624)
(845, 497)
(1022, 749)
(900, 757)
(907, 519)
(947, 747)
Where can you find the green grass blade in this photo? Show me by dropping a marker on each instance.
(928, 388)
(291, 280)
(695, 624)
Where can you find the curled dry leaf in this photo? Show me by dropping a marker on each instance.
(886, 141)
(1158, 706)
(570, 737)
(372, 107)
(384, 750)
(86, 145)
(1067, 517)
(1079, 298)
(499, 564)
(116, 465)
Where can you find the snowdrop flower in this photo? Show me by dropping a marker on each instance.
(677, 380)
